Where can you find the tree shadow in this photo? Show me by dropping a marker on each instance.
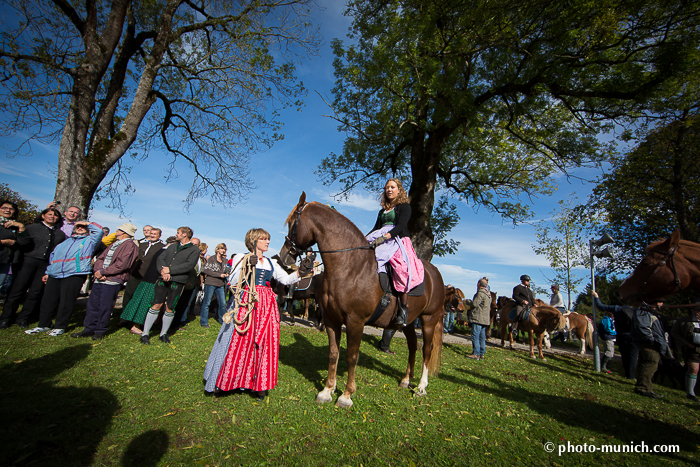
(624, 426)
(146, 449)
(46, 424)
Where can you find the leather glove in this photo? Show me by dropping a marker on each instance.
(378, 241)
(252, 260)
(306, 267)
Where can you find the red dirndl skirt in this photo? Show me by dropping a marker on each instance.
(253, 356)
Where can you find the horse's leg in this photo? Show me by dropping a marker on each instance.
(353, 335)
(326, 395)
(582, 339)
(412, 342)
(306, 308)
(532, 345)
(428, 333)
(539, 347)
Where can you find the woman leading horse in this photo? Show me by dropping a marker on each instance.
(350, 294)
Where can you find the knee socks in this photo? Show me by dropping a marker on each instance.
(168, 318)
(690, 381)
(604, 363)
(151, 318)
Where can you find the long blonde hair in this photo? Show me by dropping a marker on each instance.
(402, 198)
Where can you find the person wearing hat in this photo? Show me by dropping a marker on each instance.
(112, 269)
(523, 296)
(69, 265)
(686, 332)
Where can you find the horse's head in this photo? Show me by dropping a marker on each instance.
(457, 299)
(502, 301)
(656, 276)
(299, 238)
(551, 318)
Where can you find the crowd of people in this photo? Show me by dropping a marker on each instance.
(47, 265)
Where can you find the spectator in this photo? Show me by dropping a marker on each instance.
(174, 265)
(629, 352)
(112, 269)
(137, 308)
(9, 253)
(146, 233)
(385, 343)
(105, 230)
(449, 321)
(69, 265)
(193, 285)
(480, 319)
(648, 334)
(70, 217)
(214, 284)
(686, 333)
(146, 251)
(606, 330)
(248, 357)
(39, 240)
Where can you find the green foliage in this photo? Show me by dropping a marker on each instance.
(605, 287)
(443, 219)
(652, 190)
(27, 211)
(117, 402)
(491, 99)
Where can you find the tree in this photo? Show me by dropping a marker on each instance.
(188, 77)
(27, 211)
(652, 190)
(488, 99)
(605, 287)
(561, 240)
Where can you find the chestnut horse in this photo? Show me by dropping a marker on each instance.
(542, 318)
(350, 293)
(582, 328)
(455, 297)
(670, 265)
(492, 313)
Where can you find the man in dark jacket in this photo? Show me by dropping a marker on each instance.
(523, 296)
(174, 264)
(37, 241)
(648, 334)
(686, 333)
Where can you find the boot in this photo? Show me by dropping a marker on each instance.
(604, 365)
(401, 315)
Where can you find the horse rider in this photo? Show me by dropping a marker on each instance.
(557, 301)
(524, 298)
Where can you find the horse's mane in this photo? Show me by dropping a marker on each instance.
(649, 249)
(292, 215)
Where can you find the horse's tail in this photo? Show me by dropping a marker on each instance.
(589, 335)
(436, 352)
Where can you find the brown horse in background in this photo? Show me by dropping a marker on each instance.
(350, 292)
(454, 297)
(492, 313)
(670, 265)
(582, 328)
(542, 318)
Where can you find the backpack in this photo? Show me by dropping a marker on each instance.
(642, 320)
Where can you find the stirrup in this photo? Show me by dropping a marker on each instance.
(401, 315)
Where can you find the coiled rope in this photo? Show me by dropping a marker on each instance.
(246, 276)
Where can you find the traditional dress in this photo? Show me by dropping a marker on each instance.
(250, 359)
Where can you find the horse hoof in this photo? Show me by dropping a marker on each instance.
(404, 384)
(421, 392)
(323, 397)
(344, 402)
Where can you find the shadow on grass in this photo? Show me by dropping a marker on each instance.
(146, 449)
(45, 424)
(624, 426)
(312, 362)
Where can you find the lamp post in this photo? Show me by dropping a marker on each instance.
(607, 252)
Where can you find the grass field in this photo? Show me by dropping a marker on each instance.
(70, 402)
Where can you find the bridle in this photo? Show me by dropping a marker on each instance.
(294, 248)
(668, 258)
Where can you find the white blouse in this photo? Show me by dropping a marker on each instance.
(278, 273)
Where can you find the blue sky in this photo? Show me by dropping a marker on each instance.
(489, 246)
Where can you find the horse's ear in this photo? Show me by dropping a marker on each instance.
(674, 239)
(302, 199)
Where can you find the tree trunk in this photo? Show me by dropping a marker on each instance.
(422, 193)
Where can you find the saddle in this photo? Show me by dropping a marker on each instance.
(388, 287)
(524, 315)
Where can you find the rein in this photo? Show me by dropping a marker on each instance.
(247, 275)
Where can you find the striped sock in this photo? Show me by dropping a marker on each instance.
(690, 381)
